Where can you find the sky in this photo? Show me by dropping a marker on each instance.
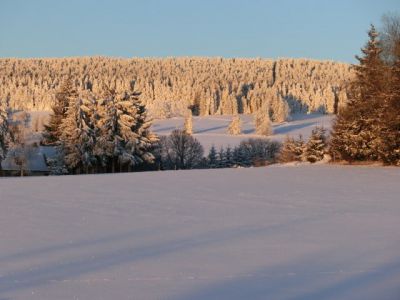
(317, 29)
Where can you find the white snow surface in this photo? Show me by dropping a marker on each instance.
(278, 232)
(212, 130)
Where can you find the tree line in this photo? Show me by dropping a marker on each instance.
(209, 86)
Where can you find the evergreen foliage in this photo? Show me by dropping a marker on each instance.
(292, 150)
(259, 152)
(228, 155)
(316, 147)
(66, 94)
(211, 86)
(235, 126)
(111, 134)
(221, 159)
(212, 158)
(78, 134)
(262, 121)
(189, 123)
(367, 129)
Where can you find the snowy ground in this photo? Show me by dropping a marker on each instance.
(211, 130)
(280, 232)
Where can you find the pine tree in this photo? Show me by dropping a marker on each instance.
(229, 157)
(66, 93)
(244, 157)
(236, 157)
(126, 139)
(241, 157)
(221, 158)
(78, 136)
(315, 148)
(189, 123)
(263, 122)
(356, 132)
(288, 153)
(292, 150)
(299, 148)
(235, 127)
(212, 158)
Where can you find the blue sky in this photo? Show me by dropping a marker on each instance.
(318, 29)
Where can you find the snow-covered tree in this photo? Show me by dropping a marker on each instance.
(63, 97)
(292, 150)
(126, 139)
(279, 109)
(235, 126)
(189, 123)
(170, 85)
(262, 121)
(316, 147)
(287, 153)
(56, 165)
(356, 133)
(78, 135)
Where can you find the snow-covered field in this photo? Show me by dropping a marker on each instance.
(280, 232)
(212, 130)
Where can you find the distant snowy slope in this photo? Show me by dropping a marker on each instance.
(310, 232)
(212, 130)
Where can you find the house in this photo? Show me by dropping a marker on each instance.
(28, 162)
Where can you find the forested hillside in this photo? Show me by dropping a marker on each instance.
(209, 85)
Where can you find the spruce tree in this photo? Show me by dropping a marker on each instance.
(242, 156)
(126, 139)
(357, 131)
(292, 150)
(228, 157)
(235, 127)
(262, 121)
(189, 123)
(221, 158)
(212, 158)
(64, 96)
(236, 157)
(315, 148)
(287, 152)
(78, 135)
(299, 148)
